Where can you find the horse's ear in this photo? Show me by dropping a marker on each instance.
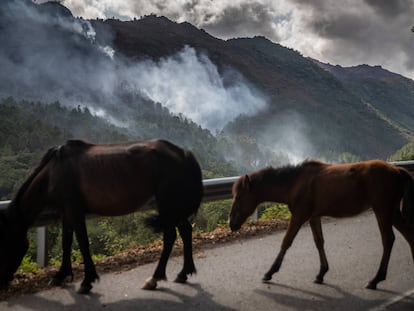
(247, 183)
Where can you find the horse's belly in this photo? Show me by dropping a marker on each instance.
(119, 206)
(115, 196)
(344, 209)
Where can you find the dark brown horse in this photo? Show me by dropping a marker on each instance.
(79, 178)
(314, 189)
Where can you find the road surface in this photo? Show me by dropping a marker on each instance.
(229, 278)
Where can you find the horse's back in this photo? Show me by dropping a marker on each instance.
(115, 179)
(341, 190)
(375, 173)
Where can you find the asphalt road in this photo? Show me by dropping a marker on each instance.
(229, 278)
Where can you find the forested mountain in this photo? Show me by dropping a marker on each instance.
(28, 129)
(239, 104)
(389, 93)
(328, 115)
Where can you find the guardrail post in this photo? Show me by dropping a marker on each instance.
(255, 215)
(42, 247)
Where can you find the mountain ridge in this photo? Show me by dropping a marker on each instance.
(329, 108)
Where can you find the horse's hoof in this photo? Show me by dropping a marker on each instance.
(55, 282)
(85, 289)
(150, 284)
(371, 286)
(266, 278)
(59, 281)
(4, 286)
(318, 281)
(181, 279)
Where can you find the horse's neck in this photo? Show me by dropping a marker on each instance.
(274, 193)
(26, 209)
(16, 218)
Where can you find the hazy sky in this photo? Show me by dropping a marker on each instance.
(346, 32)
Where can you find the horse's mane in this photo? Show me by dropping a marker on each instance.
(46, 158)
(282, 174)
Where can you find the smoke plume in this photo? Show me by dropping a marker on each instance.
(48, 55)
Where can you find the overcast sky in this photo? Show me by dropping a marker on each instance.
(346, 32)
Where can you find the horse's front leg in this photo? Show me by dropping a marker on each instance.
(83, 241)
(294, 225)
(186, 230)
(168, 241)
(66, 267)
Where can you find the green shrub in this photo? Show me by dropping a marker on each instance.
(211, 215)
(272, 211)
(28, 265)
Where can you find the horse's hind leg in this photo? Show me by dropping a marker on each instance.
(406, 231)
(66, 267)
(293, 228)
(316, 226)
(186, 230)
(168, 241)
(384, 219)
(83, 241)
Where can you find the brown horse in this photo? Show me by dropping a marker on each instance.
(79, 178)
(314, 189)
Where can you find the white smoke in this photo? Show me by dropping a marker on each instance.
(42, 64)
(85, 28)
(190, 84)
(288, 138)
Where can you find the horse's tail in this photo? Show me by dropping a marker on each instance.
(195, 180)
(408, 199)
(190, 199)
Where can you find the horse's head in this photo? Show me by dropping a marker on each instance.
(13, 247)
(244, 202)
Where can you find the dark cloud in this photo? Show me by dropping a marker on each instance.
(346, 26)
(391, 8)
(241, 20)
(375, 32)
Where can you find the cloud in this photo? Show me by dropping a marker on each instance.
(355, 32)
(349, 32)
(390, 9)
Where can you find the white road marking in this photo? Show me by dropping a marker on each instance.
(393, 300)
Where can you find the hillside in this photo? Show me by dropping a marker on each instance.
(249, 99)
(390, 93)
(332, 117)
(28, 129)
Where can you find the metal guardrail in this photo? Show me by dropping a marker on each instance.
(408, 165)
(4, 204)
(214, 189)
(218, 188)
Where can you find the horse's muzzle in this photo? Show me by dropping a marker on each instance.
(4, 285)
(234, 226)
